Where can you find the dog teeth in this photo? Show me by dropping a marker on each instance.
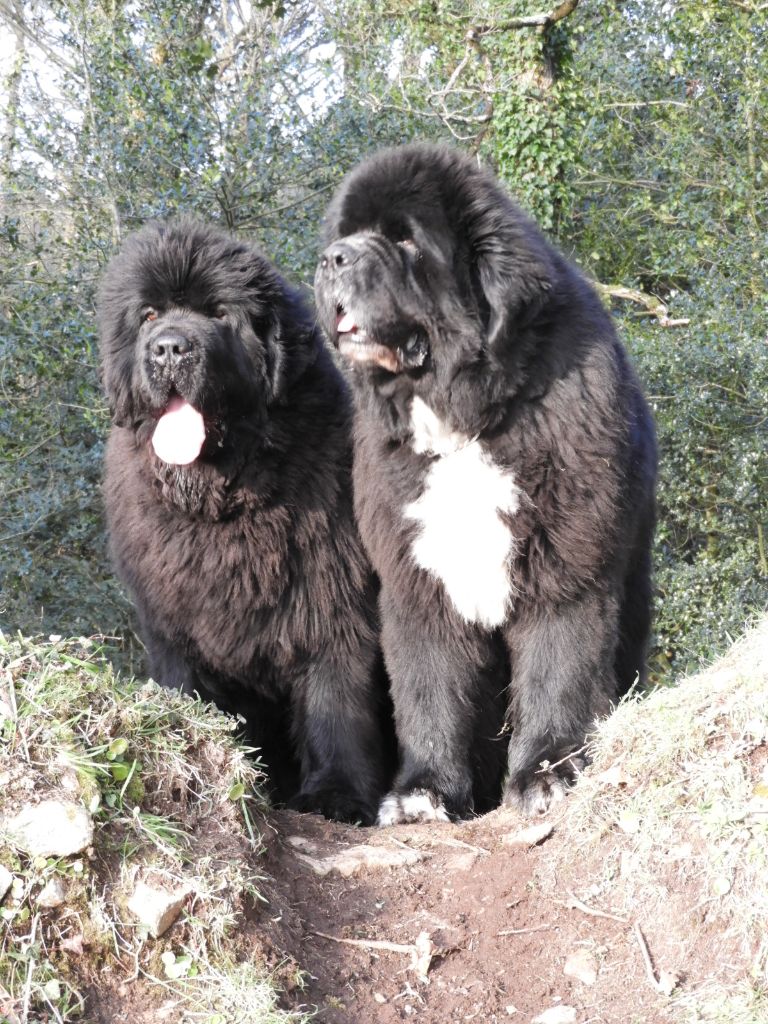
(347, 324)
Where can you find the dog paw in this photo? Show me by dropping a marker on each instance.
(335, 805)
(420, 805)
(542, 789)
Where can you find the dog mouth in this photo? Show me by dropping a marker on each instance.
(355, 344)
(180, 432)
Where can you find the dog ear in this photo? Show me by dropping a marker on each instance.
(117, 370)
(290, 339)
(120, 401)
(512, 264)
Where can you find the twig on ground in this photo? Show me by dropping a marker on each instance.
(666, 982)
(576, 904)
(31, 965)
(646, 955)
(391, 947)
(524, 931)
(444, 841)
(421, 951)
(15, 712)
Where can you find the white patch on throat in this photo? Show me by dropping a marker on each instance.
(462, 539)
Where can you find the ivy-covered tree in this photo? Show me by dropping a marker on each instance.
(634, 132)
(668, 200)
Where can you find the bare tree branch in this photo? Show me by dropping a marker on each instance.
(653, 305)
(9, 14)
(538, 21)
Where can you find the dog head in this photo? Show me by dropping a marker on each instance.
(191, 319)
(427, 262)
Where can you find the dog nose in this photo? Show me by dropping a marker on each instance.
(340, 254)
(168, 348)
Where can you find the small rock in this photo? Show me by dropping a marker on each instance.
(355, 859)
(462, 861)
(582, 966)
(379, 998)
(68, 780)
(52, 828)
(157, 908)
(6, 879)
(668, 982)
(531, 836)
(52, 894)
(629, 822)
(628, 864)
(421, 958)
(52, 990)
(72, 944)
(556, 1015)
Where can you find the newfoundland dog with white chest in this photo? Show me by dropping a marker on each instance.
(229, 506)
(504, 480)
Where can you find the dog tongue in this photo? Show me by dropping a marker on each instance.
(179, 434)
(346, 324)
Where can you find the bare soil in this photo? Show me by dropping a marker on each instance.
(499, 941)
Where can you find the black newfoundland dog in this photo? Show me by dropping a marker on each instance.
(229, 505)
(504, 480)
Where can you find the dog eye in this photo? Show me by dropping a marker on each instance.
(149, 315)
(220, 313)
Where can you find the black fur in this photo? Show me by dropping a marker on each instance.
(250, 581)
(459, 301)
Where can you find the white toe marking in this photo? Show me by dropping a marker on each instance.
(417, 806)
(462, 539)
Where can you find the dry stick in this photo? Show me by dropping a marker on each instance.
(647, 960)
(392, 947)
(444, 841)
(524, 931)
(576, 904)
(421, 951)
(31, 965)
(546, 766)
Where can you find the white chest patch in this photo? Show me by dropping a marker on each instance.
(462, 539)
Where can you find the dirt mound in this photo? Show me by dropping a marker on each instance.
(642, 898)
(646, 902)
(493, 945)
